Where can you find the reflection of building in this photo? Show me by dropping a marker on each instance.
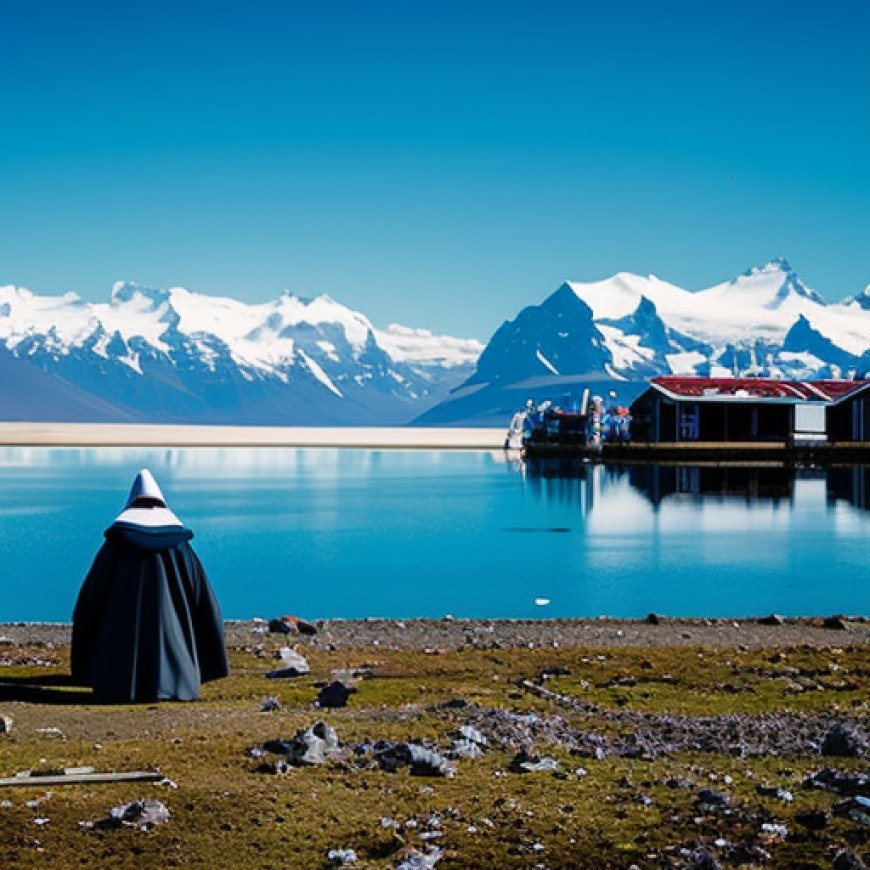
(657, 482)
(693, 410)
(850, 483)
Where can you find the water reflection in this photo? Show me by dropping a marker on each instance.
(567, 480)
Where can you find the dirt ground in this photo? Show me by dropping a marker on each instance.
(463, 744)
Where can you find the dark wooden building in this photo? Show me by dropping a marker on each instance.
(849, 415)
(751, 410)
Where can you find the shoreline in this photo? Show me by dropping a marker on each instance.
(24, 434)
(456, 635)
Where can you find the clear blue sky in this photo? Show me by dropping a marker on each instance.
(441, 164)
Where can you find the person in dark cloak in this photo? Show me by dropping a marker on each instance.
(146, 625)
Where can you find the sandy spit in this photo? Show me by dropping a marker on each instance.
(135, 435)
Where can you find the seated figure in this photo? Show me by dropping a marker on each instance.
(147, 626)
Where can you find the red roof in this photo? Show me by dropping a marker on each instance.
(761, 388)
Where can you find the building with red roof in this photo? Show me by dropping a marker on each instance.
(696, 409)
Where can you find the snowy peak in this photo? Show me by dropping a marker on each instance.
(766, 321)
(862, 300)
(777, 279)
(195, 357)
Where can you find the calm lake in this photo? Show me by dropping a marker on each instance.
(353, 533)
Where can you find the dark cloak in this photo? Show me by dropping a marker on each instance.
(147, 626)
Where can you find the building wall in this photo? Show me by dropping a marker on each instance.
(850, 420)
(657, 418)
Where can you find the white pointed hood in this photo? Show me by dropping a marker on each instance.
(154, 511)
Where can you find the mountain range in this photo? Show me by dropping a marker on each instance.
(151, 355)
(617, 333)
(174, 356)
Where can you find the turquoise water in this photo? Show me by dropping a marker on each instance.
(352, 533)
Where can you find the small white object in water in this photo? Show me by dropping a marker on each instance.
(542, 602)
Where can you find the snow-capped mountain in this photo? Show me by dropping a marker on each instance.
(176, 356)
(618, 332)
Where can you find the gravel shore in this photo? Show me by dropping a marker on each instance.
(457, 634)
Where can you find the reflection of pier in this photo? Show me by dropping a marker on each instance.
(567, 480)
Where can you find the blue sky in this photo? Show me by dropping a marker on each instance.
(440, 164)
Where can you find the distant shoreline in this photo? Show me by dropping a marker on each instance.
(144, 435)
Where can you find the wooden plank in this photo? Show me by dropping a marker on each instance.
(38, 781)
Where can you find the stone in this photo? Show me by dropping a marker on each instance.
(279, 626)
(846, 859)
(335, 694)
(812, 820)
(713, 798)
(772, 619)
(837, 623)
(703, 860)
(842, 742)
(342, 857)
(144, 815)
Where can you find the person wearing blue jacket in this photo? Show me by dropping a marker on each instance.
(147, 626)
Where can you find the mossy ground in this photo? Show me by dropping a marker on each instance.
(226, 814)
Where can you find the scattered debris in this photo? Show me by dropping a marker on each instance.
(294, 664)
(413, 859)
(342, 857)
(270, 705)
(842, 783)
(5, 724)
(471, 743)
(50, 731)
(525, 763)
(421, 760)
(315, 745)
(144, 815)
